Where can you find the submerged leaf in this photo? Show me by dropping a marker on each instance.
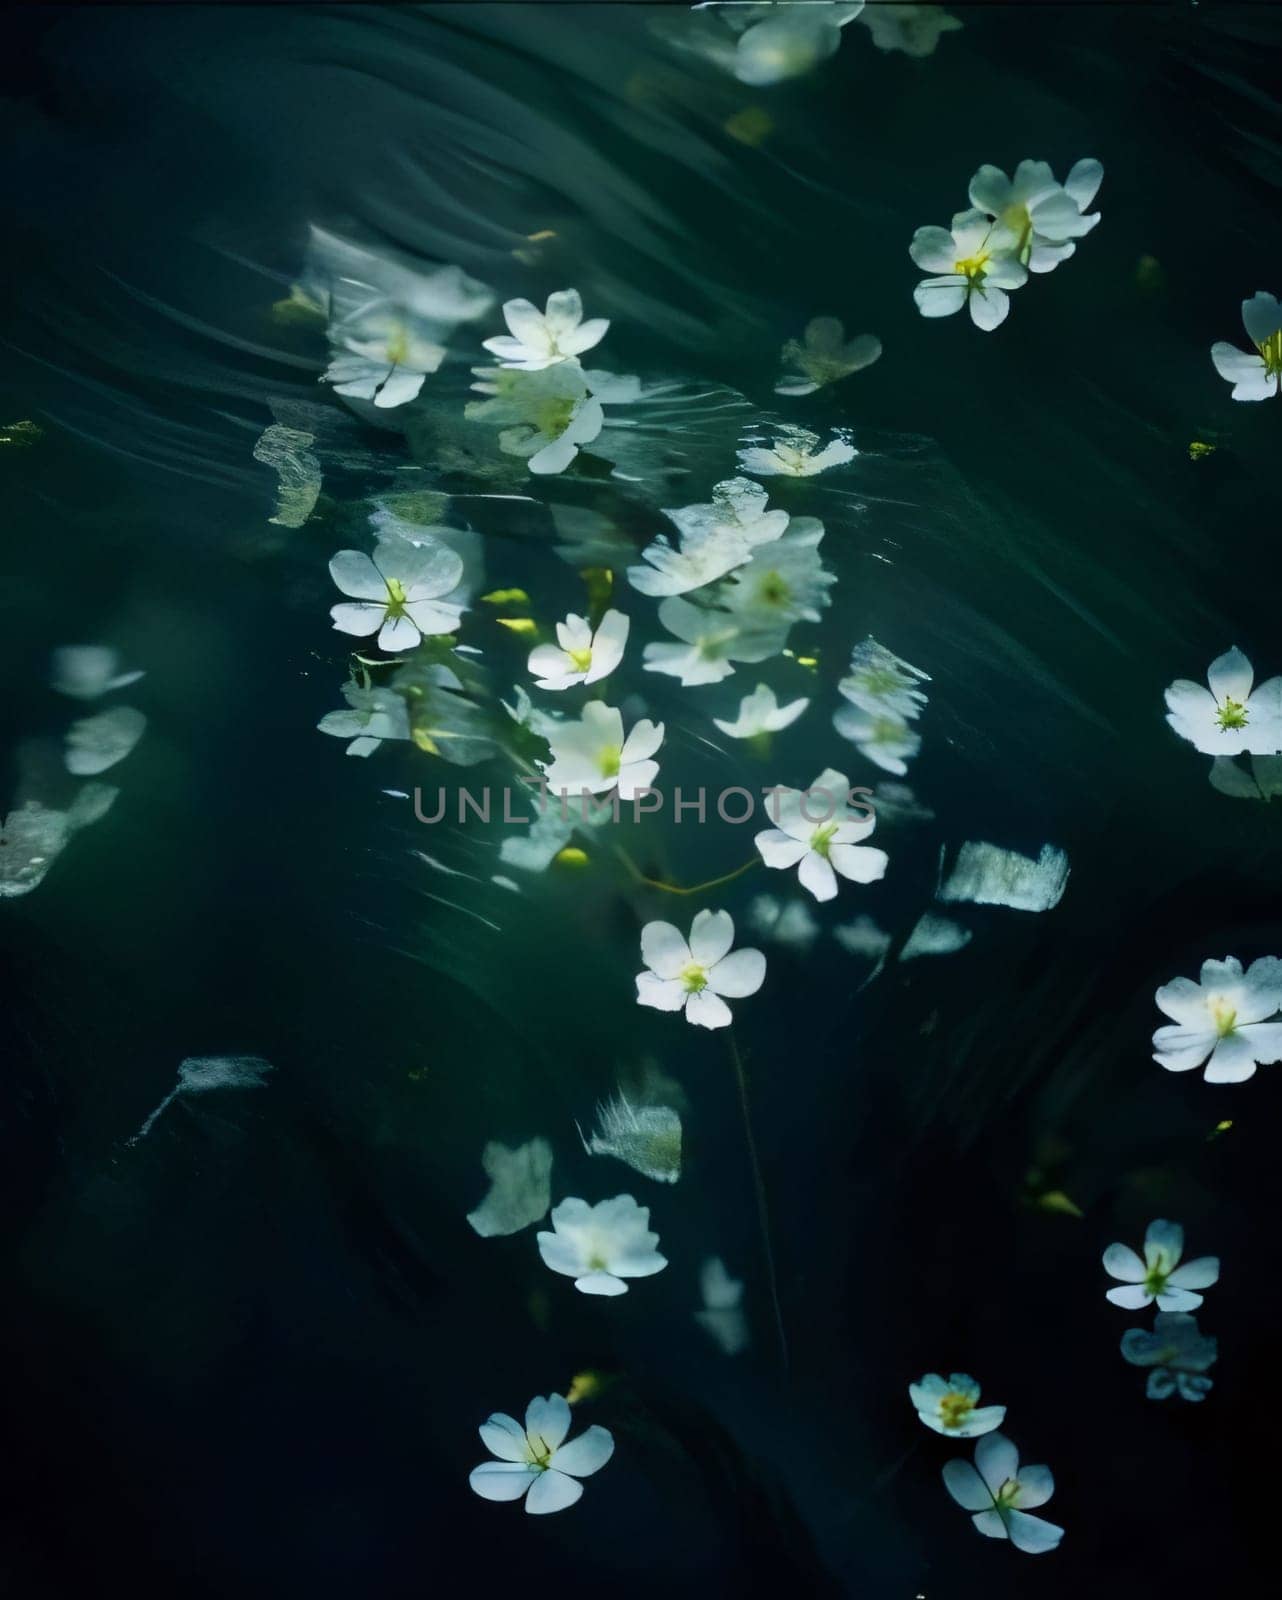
(298, 472)
(989, 876)
(647, 1138)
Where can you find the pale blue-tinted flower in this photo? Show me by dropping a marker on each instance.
(710, 640)
(784, 581)
(520, 1189)
(373, 714)
(760, 712)
(884, 695)
(1045, 217)
(1255, 375)
(534, 1461)
(601, 1245)
(399, 592)
(538, 339)
(1001, 1496)
(1159, 1276)
(1222, 1021)
(975, 263)
(823, 356)
(951, 1406)
(697, 977)
(1231, 717)
(1178, 1353)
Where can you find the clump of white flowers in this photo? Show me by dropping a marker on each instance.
(601, 1245)
(823, 355)
(884, 696)
(1177, 1353)
(1001, 1495)
(697, 977)
(534, 1461)
(1256, 375)
(1234, 716)
(1015, 226)
(1159, 1275)
(1230, 1020)
(951, 1406)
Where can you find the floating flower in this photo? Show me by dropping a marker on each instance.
(1178, 1353)
(1159, 1275)
(1044, 216)
(759, 713)
(823, 356)
(914, 29)
(794, 454)
(535, 1461)
(883, 738)
(601, 1245)
(791, 41)
(373, 715)
(1230, 718)
(546, 415)
(818, 833)
(710, 641)
(700, 976)
(716, 537)
(949, 1406)
(520, 1189)
(539, 339)
(1254, 377)
(1001, 1495)
(591, 753)
(399, 592)
(785, 581)
(884, 696)
(976, 262)
(1222, 1020)
(580, 654)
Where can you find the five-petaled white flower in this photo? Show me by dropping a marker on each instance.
(398, 591)
(695, 977)
(1159, 1275)
(1044, 216)
(1001, 1495)
(601, 1245)
(592, 754)
(1230, 718)
(544, 415)
(818, 833)
(793, 454)
(540, 339)
(948, 1406)
(535, 1461)
(375, 714)
(760, 712)
(716, 536)
(822, 356)
(976, 264)
(1223, 1020)
(710, 640)
(1257, 376)
(580, 654)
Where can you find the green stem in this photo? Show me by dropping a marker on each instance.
(676, 888)
(763, 1210)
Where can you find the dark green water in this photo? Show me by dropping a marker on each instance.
(248, 1354)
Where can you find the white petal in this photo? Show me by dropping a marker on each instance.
(991, 1524)
(1132, 1298)
(554, 457)
(548, 1418)
(1231, 676)
(711, 935)
(779, 849)
(553, 1491)
(1200, 1273)
(504, 1437)
(1122, 1263)
(966, 1486)
(354, 573)
(361, 619)
(1083, 181)
(739, 974)
(644, 739)
(663, 994)
(1036, 1486)
(817, 875)
(940, 297)
(708, 1010)
(996, 1460)
(602, 1283)
(1232, 1060)
(433, 616)
(501, 1480)
(1261, 316)
(861, 863)
(664, 949)
(988, 307)
(398, 633)
(586, 1454)
(1033, 1535)
(933, 250)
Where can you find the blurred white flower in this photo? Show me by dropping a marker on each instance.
(86, 671)
(1222, 1021)
(601, 1245)
(520, 1189)
(398, 593)
(700, 976)
(591, 754)
(885, 739)
(950, 1406)
(580, 655)
(1159, 1275)
(715, 538)
(1178, 1353)
(1262, 782)
(784, 581)
(823, 356)
(884, 696)
(722, 1316)
(760, 712)
(791, 40)
(914, 29)
(975, 262)
(786, 922)
(543, 415)
(1255, 376)
(96, 743)
(1230, 718)
(793, 454)
(373, 715)
(1001, 1495)
(818, 833)
(1044, 216)
(535, 1461)
(710, 641)
(538, 339)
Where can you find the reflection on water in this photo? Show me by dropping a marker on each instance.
(755, 496)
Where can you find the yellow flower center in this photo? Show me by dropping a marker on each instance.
(609, 760)
(820, 839)
(695, 978)
(538, 1452)
(1271, 350)
(1016, 218)
(772, 590)
(1223, 1015)
(582, 659)
(1232, 714)
(398, 344)
(1007, 1495)
(552, 417)
(972, 268)
(954, 1408)
(395, 597)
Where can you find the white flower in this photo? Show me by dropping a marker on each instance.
(1044, 216)
(948, 1406)
(1177, 1351)
(823, 356)
(1001, 1495)
(591, 753)
(601, 1245)
(1229, 719)
(1223, 1018)
(1159, 1275)
(819, 834)
(790, 41)
(793, 455)
(711, 640)
(790, 923)
(580, 655)
(716, 537)
(87, 671)
(914, 29)
(544, 415)
(96, 743)
(374, 715)
(694, 977)
(535, 1461)
(399, 592)
(884, 696)
(885, 739)
(977, 265)
(785, 581)
(760, 712)
(541, 338)
(1254, 377)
